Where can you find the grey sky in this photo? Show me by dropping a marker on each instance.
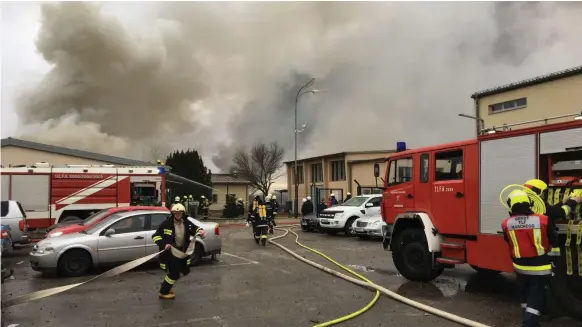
(224, 74)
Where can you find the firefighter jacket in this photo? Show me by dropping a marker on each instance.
(562, 211)
(165, 234)
(274, 206)
(530, 241)
(205, 204)
(257, 211)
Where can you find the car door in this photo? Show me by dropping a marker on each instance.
(127, 243)
(155, 221)
(372, 207)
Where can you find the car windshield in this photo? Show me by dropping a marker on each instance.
(102, 223)
(356, 201)
(94, 217)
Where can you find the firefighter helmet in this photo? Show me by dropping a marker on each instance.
(536, 185)
(273, 197)
(349, 193)
(177, 199)
(202, 197)
(304, 199)
(178, 208)
(516, 197)
(190, 196)
(308, 198)
(332, 195)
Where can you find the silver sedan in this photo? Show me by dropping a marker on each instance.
(368, 226)
(119, 238)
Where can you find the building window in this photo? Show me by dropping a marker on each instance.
(338, 170)
(298, 180)
(400, 171)
(214, 198)
(508, 105)
(317, 173)
(449, 165)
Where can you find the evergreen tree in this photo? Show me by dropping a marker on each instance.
(190, 165)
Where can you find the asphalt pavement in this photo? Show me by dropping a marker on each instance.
(252, 285)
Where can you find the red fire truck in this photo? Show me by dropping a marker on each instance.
(51, 194)
(441, 203)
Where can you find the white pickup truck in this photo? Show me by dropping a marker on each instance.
(11, 215)
(340, 218)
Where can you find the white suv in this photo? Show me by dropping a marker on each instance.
(340, 218)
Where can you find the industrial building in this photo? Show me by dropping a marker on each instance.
(337, 173)
(21, 152)
(557, 96)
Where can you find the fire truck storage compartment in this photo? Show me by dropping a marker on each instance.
(32, 191)
(503, 162)
(5, 187)
(561, 141)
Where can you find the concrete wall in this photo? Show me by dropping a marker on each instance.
(239, 190)
(554, 98)
(12, 155)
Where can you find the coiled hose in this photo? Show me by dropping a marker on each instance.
(367, 284)
(538, 205)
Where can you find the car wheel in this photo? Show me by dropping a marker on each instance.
(412, 257)
(70, 218)
(348, 229)
(74, 263)
(198, 255)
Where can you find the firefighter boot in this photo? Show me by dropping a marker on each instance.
(169, 296)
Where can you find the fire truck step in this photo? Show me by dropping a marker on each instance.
(450, 261)
(456, 246)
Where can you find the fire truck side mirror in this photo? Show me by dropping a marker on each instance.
(376, 170)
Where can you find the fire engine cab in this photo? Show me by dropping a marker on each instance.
(441, 203)
(51, 194)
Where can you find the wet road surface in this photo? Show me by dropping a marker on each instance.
(264, 286)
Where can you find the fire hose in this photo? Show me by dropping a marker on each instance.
(366, 284)
(110, 273)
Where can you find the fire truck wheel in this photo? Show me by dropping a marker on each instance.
(412, 257)
(69, 218)
(567, 290)
(198, 255)
(74, 263)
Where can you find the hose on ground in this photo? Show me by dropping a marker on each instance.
(371, 285)
(346, 317)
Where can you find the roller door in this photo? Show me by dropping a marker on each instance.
(560, 141)
(32, 191)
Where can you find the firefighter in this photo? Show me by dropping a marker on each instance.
(559, 211)
(241, 206)
(530, 239)
(174, 232)
(308, 206)
(332, 200)
(348, 196)
(274, 211)
(204, 207)
(304, 207)
(176, 200)
(257, 216)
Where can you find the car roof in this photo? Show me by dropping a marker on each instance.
(141, 212)
(368, 195)
(136, 208)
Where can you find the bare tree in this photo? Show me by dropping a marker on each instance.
(260, 166)
(152, 151)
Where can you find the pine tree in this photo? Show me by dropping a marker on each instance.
(189, 165)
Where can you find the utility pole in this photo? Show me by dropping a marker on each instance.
(295, 131)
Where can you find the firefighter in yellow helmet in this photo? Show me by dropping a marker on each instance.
(530, 240)
(204, 207)
(258, 219)
(174, 234)
(559, 211)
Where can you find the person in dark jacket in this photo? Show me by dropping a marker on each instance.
(257, 216)
(321, 206)
(348, 196)
(308, 206)
(304, 207)
(174, 234)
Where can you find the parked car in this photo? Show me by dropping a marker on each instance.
(309, 223)
(12, 214)
(341, 218)
(70, 227)
(120, 237)
(367, 227)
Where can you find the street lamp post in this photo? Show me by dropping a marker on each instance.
(296, 177)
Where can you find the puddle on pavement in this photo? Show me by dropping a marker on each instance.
(362, 268)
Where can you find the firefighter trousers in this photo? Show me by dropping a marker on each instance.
(260, 232)
(532, 293)
(173, 268)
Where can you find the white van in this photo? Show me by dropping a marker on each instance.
(11, 213)
(340, 218)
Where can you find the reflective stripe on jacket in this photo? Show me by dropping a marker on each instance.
(529, 240)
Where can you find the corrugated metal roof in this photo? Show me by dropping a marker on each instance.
(73, 153)
(338, 154)
(529, 82)
(227, 179)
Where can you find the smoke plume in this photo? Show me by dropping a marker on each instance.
(215, 76)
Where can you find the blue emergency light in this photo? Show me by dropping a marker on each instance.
(161, 170)
(400, 146)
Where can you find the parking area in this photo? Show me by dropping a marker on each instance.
(252, 285)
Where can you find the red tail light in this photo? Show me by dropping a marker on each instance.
(21, 225)
(4, 234)
(217, 230)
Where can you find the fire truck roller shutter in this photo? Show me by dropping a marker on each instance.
(5, 187)
(433, 241)
(503, 162)
(32, 191)
(559, 141)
